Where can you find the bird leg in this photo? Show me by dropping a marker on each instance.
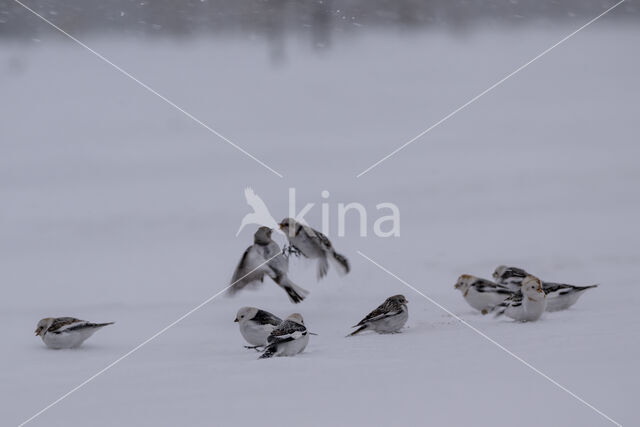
(291, 250)
(254, 347)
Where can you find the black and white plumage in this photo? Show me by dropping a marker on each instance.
(287, 339)
(66, 332)
(262, 258)
(510, 277)
(560, 296)
(481, 294)
(389, 317)
(256, 325)
(313, 244)
(527, 305)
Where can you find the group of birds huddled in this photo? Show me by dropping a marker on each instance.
(517, 294)
(514, 293)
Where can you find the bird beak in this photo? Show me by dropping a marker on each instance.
(38, 331)
(281, 226)
(235, 320)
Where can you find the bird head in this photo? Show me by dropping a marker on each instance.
(532, 287)
(262, 236)
(464, 282)
(288, 226)
(398, 299)
(246, 313)
(43, 325)
(296, 317)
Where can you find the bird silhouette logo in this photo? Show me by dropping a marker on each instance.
(260, 214)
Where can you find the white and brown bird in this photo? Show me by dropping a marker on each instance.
(527, 305)
(66, 332)
(481, 294)
(560, 296)
(388, 318)
(313, 244)
(262, 258)
(288, 339)
(256, 325)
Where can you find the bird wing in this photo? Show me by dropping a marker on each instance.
(60, 324)
(319, 238)
(265, 318)
(287, 331)
(279, 264)
(514, 300)
(511, 273)
(243, 275)
(483, 285)
(384, 310)
(551, 288)
(556, 289)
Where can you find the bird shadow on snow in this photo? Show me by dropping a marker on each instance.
(85, 348)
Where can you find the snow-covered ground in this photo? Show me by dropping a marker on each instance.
(115, 207)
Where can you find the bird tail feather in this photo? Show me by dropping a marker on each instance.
(100, 325)
(341, 263)
(499, 309)
(360, 329)
(323, 267)
(296, 293)
(270, 351)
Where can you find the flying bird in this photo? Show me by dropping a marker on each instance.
(66, 332)
(262, 258)
(313, 244)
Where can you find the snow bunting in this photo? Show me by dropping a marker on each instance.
(389, 317)
(313, 244)
(509, 276)
(560, 296)
(288, 339)
(66, 332)
(481, 294)
(252, 267)
(527, 305)
(256, 325)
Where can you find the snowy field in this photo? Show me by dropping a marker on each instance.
(116, 207)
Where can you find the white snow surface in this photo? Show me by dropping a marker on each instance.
(116, 207)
